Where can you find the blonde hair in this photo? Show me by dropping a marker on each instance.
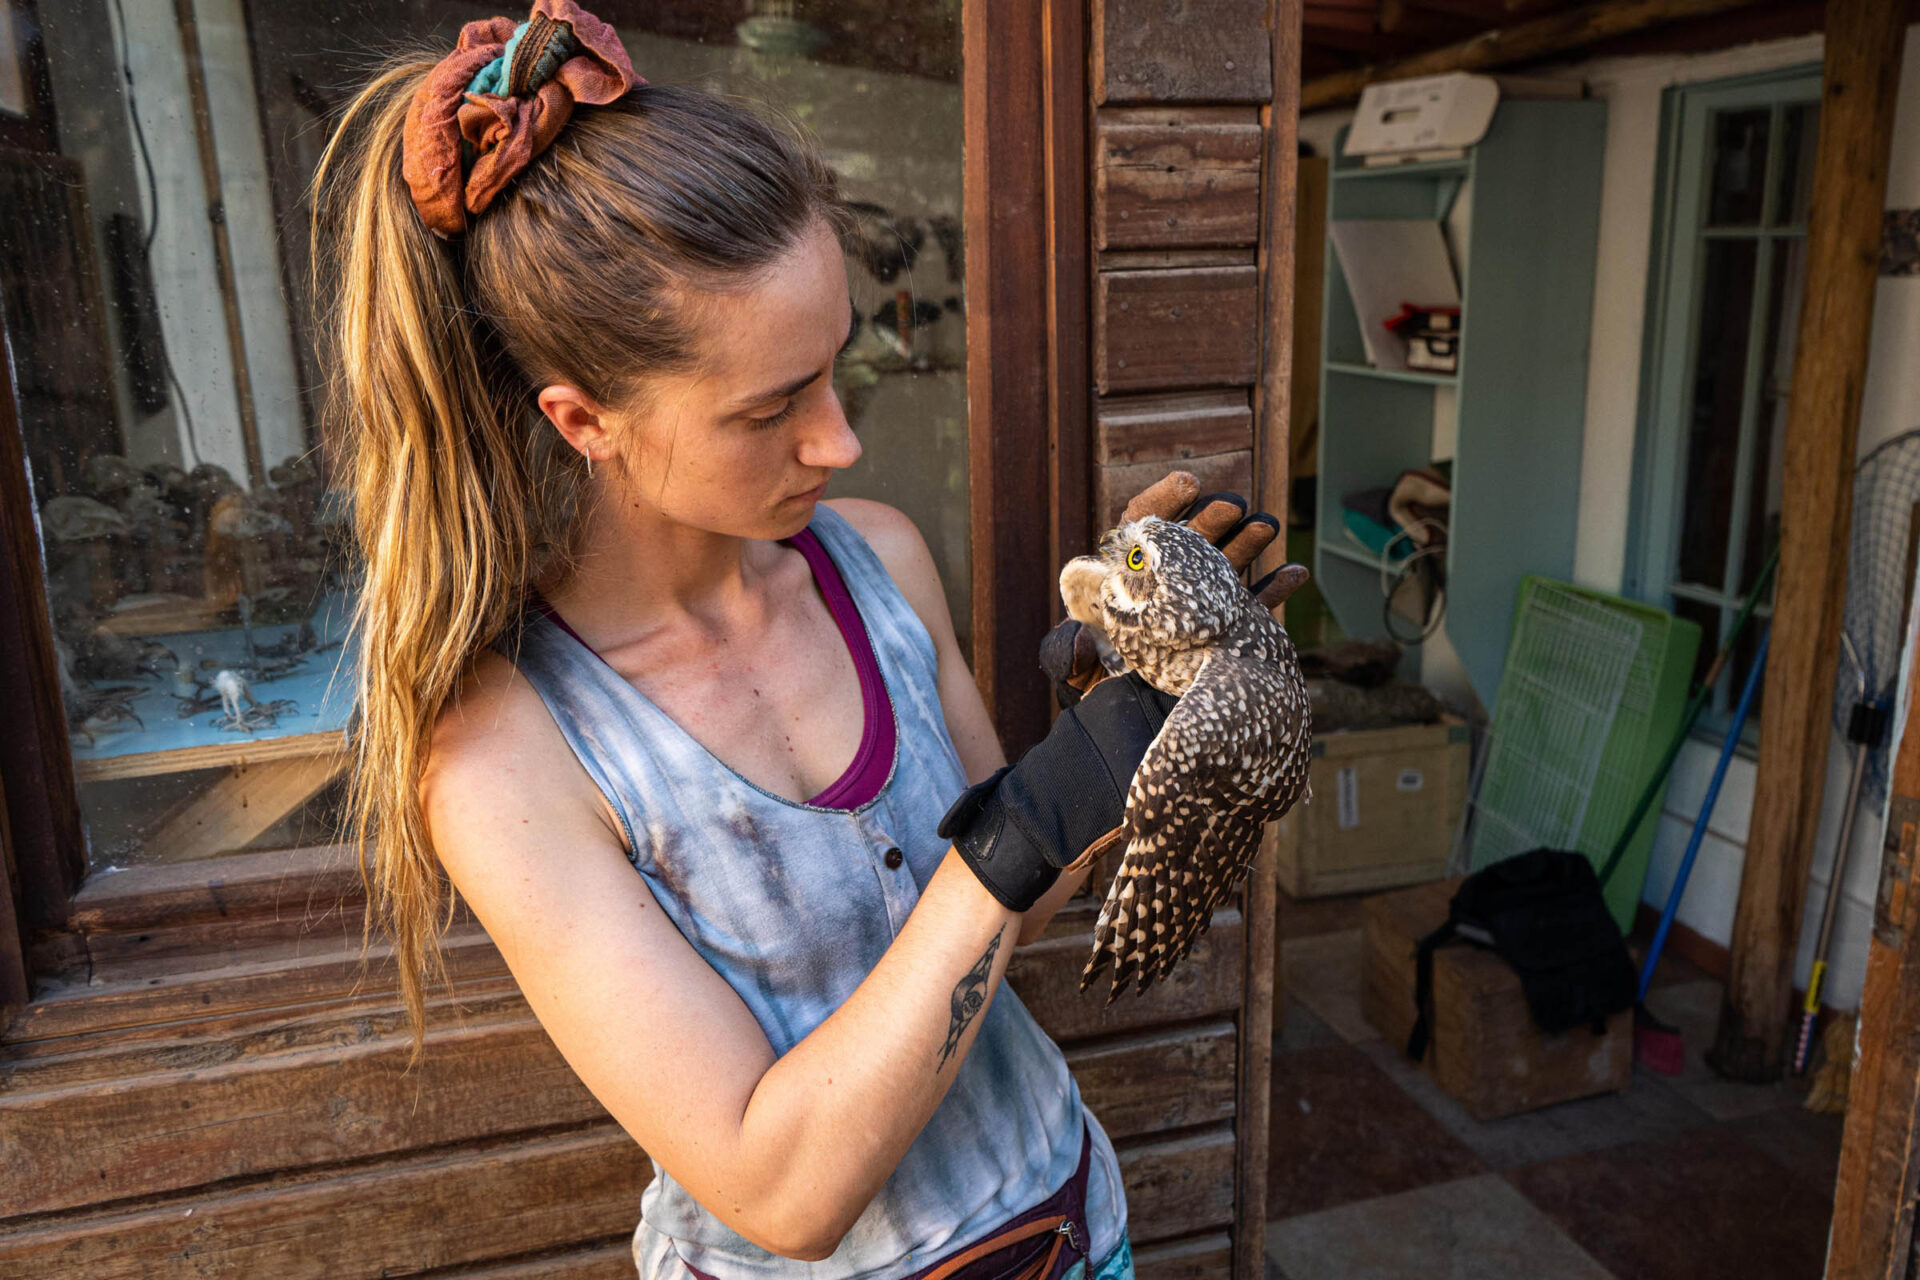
(463, 496)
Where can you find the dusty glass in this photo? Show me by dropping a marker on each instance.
(154, 268)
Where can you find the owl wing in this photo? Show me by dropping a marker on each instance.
(1231, 757)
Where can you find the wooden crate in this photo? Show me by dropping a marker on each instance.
(1384, 808)
(1485, 1050)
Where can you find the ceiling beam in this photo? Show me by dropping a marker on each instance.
(1555, 33)
(1427, 26)
(1481, 13)
(1373, 46)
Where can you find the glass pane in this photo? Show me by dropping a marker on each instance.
(168, 385)
(1707, 617)
(1799, 132)
(1713, 423)
(1776, 376)
(1739, 173)
(1739, 664)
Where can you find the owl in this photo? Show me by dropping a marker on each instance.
(1231, 757)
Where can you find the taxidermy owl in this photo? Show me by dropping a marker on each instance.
(1231, 757)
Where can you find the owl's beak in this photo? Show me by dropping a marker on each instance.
(1080, 588)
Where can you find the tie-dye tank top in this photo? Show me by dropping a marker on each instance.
(793, 904)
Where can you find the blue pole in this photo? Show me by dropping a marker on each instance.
(1706, 812)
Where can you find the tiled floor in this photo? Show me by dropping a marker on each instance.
(1378, 1175)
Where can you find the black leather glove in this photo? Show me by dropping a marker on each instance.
(1022, 827)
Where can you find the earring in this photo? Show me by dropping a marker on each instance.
(589, 456)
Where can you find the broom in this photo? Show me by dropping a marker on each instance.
(1654, 1042)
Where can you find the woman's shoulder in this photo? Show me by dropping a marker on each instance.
(494, 738)
(902, 551)
(888, 530)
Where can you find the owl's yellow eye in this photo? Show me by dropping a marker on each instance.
(1136, 559)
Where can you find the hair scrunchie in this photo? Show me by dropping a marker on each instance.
(498, 100)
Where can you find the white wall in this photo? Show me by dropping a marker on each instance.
(1632, 89)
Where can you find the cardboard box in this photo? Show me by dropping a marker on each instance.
(1485, 1049)
(1385, 806)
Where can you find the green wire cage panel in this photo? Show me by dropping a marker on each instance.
(1631, 739)
(1565, 675)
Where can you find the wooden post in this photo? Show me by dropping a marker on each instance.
(1863, 46)
(1874, 1196)
(1272, 405)
(1069, 416)
(1003, 95)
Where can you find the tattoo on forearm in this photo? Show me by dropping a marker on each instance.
(969, 996)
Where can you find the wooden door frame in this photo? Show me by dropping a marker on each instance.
(1026, 109)
(1879, 1179)
(46, 853)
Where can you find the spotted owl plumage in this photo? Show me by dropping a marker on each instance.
(1231, 757)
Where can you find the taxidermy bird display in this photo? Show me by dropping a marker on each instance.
(1231, 757)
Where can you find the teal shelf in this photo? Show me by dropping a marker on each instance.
(1392, 375)
(1519, 396)
(1351, 554)
(1412, 169)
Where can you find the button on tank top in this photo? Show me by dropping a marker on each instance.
(793, 904)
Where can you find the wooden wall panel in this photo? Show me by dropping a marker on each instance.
(155, 1130)
(1183, 327)
(1114, 485)
(260, 1114)
(1192, 223)
(1162, 1079)
(440, 1210)
(1181, 51)
(612, 1261)
(1046, 975)
(1199, 1258)
(1178, 1185)
(1168, 178)
(1172, 425)
(141, 1008)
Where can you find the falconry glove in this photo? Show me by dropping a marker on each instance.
(1019, 829)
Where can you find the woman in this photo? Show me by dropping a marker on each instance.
(584, 332)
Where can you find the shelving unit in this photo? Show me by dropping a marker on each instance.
(1518, 400)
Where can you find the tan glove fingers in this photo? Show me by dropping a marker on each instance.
(1274, 589)
(1166, 497)
(1250, 540)
(1218, 518)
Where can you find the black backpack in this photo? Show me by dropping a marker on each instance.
(1544, 913)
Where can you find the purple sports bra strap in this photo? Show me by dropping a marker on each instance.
(873, 759)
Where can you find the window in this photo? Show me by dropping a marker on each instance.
(1723, 311)
(153, 291)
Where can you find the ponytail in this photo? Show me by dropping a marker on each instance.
(448, 485)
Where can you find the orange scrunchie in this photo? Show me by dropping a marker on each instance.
(506, 133)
